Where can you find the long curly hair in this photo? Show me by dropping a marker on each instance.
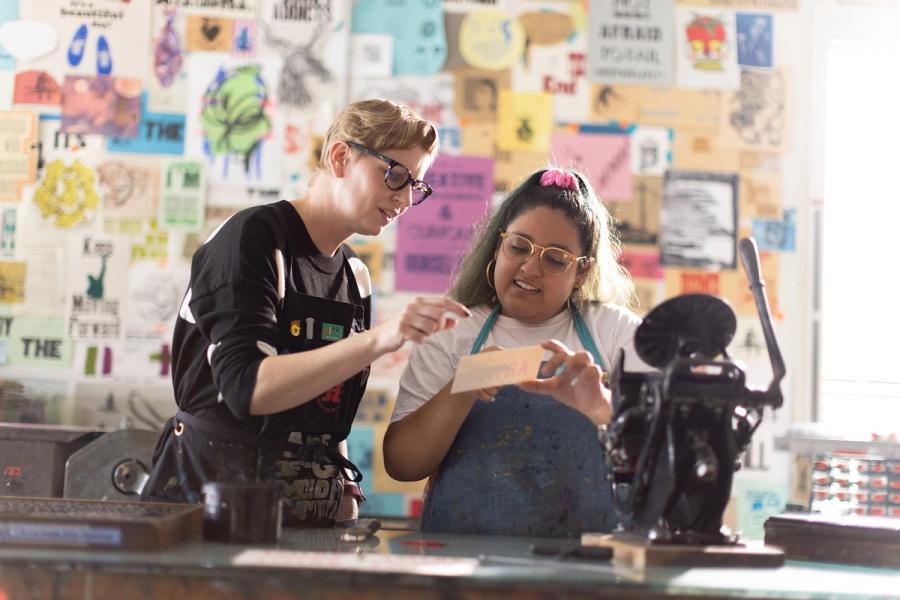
(606, 280)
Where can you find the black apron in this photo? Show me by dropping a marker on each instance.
(297, 448)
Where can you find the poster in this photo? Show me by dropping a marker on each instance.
(754, 38)
(311, 41)
(420, 46)
(97, 280)
(651, 150)
(604, 159)
(698, 220)
(103, 105)
(557, 69)
(525, 121)
(491, 39)
(477, 94)
(18, 152)
(128, 189)
(631, 42)
(95, 37)
(706, 49)
(433, 236)
(756, 116)
(248, 155)
(182, 199)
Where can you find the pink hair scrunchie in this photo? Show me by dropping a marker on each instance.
(559, 178)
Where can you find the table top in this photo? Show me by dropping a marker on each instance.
(390, 557)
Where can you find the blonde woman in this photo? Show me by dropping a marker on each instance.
(272, 345)
(526, 460)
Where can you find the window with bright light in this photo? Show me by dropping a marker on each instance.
(860, 318)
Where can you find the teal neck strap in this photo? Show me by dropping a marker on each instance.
(584, 335)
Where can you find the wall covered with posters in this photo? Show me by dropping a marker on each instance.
(119, 157)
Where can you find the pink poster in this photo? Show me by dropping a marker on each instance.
(642, 264)
(433, 236)
(604, 158)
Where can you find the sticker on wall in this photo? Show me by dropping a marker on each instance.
(631, 42)
(491, 39)
(103, 105)
(182, 201)
(209, 34)
(420, 45)
(36, 87)
(706, 49)
(754, 39)
(155, 292)
(26, 40)
(698, 220)
(372, 54)
(651, 150)
(525, 121)
(546, 27)
(18, 152)
(128, 189)
(777, 235)
(12, 282)
(477, 94)
(67, 194)
(244, 42)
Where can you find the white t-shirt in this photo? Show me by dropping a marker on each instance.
(433, 362)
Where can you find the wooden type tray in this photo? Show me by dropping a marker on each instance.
(852, 539)
(100, 524)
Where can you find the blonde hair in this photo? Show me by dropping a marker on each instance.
(379, 125)
(606, 280)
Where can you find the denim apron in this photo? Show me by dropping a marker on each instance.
(525, 464)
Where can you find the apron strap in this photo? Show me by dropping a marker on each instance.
(584, 334)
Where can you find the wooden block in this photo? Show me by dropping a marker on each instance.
(636, 553)
(850, 539)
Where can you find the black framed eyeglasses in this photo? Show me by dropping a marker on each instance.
(554, 261)
(397, 176)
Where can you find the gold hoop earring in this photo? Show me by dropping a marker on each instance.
(487, 274)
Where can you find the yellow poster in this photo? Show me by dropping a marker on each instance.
(209, 34)
(67, 194)
(491, 39)
(12, 282)
(525, 121)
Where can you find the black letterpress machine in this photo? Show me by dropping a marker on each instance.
(675, 437)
